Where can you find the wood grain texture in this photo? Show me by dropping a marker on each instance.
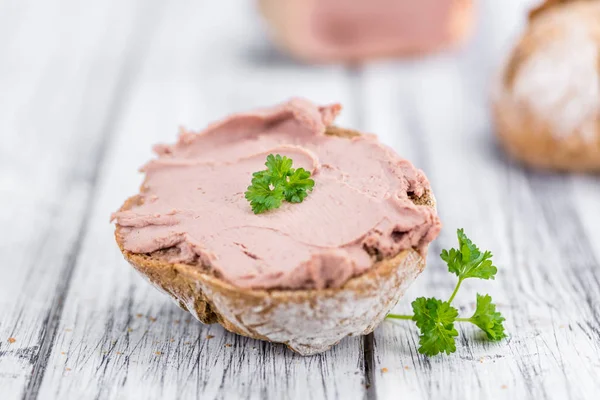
(541, 228)
(57, 98)
(117, 335)
(86, 89)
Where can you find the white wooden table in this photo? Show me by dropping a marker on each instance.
(87, 87)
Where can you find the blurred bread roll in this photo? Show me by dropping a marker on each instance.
(546, 102)
(356, 30)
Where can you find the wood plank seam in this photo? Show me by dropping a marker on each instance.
(369, 366)
(357, 95)
(123, 89)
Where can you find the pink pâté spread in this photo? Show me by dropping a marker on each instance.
(358, 30)
(192, 201)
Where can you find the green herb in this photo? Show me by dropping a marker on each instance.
(488, 319)
(435, 318)
(277, 183)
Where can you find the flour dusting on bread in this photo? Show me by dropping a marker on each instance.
(560, 81)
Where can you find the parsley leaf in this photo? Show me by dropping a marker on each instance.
(435, 319)
(261, 196)
(278, 182)
(488, 319)
(278, 167)
(299, 183)
(468, 261)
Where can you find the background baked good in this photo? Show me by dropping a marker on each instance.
(358, 30)
(547, 99)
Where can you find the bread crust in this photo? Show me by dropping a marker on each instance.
(549, 4)
(539, 138)
(307, 321)
(533, 142)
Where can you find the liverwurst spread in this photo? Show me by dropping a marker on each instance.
(192, 204)
(355, 30)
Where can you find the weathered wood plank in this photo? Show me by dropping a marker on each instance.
(118, 337)
(57, 91)
(86, 326)
(548, 284)
(585, 192)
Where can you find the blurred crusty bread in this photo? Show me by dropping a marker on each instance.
(307, 321)
(546, 103)
(549, 4)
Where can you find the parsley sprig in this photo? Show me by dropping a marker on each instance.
(278, 182)
(435, 318)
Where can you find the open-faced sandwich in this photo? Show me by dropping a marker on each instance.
(317, 244)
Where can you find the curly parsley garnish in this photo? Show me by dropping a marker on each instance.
(277, 183)
(435, 318)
